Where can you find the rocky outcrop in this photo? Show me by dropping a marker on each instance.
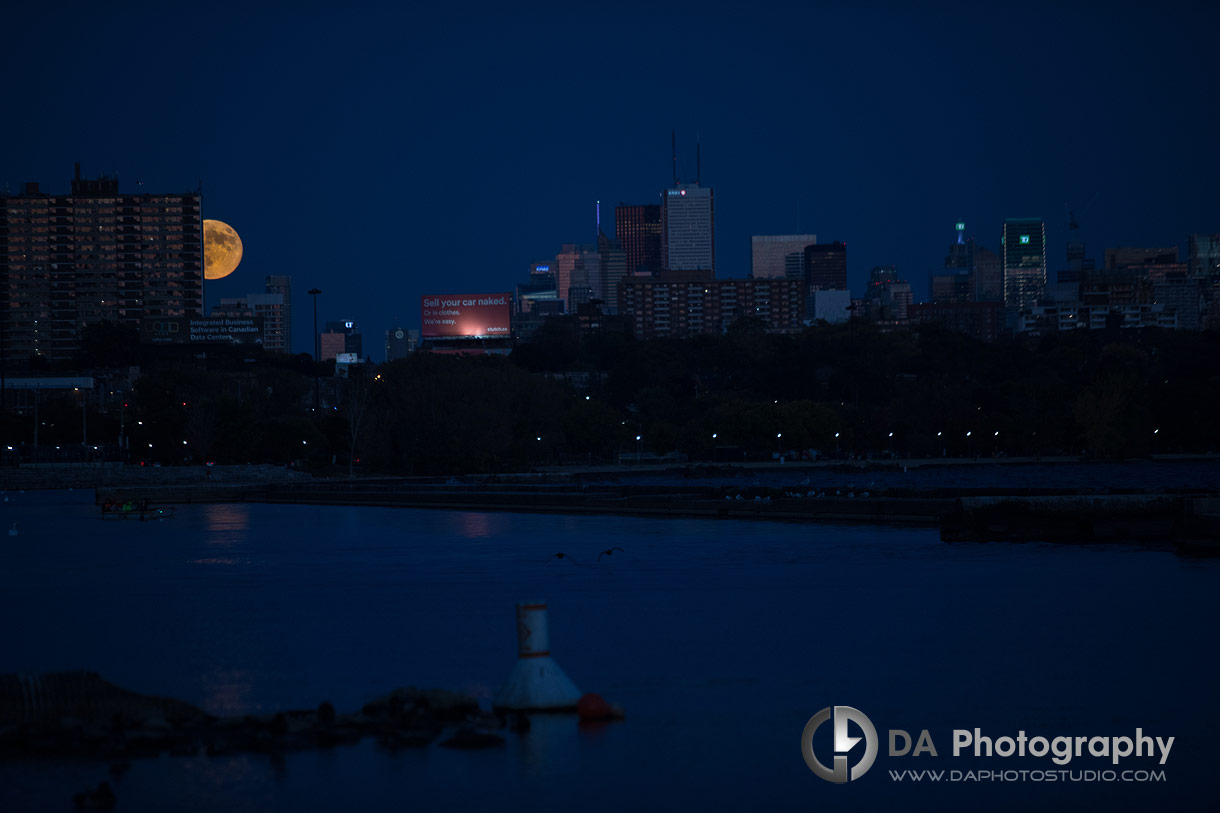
(79, 714)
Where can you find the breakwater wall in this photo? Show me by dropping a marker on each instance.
(961, 515)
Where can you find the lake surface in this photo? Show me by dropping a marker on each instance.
(721, 638)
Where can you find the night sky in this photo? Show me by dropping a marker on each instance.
(380, 153)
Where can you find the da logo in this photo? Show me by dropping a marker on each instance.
(843, 743)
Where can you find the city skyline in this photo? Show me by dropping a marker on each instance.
(313, 160)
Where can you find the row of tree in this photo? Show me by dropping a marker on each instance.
(845, 390)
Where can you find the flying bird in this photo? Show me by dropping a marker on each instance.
(561, 556)
(609, 552)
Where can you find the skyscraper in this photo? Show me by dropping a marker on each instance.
(68, 261)
(1203, 255)
(638, 229)
(1023, 244)
(282, 284)
(688, 229)
(826, 266)
(577, 274)
(987, 278)
(341, 336)
(612, 261)
(953, 283)
(400, 343)
(776, 256)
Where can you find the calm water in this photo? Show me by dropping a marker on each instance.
(720, 638)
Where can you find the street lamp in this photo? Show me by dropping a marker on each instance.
(779, 445)
(836, 444)
(638, 448)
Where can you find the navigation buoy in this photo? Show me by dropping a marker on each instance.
(536, 682)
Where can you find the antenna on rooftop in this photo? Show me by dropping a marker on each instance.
(673, 146)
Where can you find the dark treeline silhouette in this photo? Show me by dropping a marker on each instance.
(746, 395)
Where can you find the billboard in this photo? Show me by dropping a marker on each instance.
(466, 316)
(203, 330)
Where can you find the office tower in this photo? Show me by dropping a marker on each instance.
(688, 227)
(282, 284)
(953, 284)
(961, 251)
(612, 264)
(949, 286)
(342, 336)
(880, 276)
(1138, 258)
(400, 342)
(68, 261)
(833, 307)
(987, 278)
(638, 230)
(825, 267)
(1203, 255)
(267, 308)
(577, 272)
(540, 295)
(1023, 242)
(779, 256)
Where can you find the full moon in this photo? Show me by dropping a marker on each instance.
(221, 249)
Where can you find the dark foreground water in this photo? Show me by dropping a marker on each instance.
(721, 638)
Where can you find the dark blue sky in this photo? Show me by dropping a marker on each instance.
(384, 152)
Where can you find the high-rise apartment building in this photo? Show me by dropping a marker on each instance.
(779, 256)
(688, 227)
(678, 306)
(68, 261)
(1023, 250)
(638, 229)
(282, 284)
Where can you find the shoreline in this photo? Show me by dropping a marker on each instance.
(1070, 515)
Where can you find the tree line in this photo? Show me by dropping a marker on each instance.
(837, 390)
